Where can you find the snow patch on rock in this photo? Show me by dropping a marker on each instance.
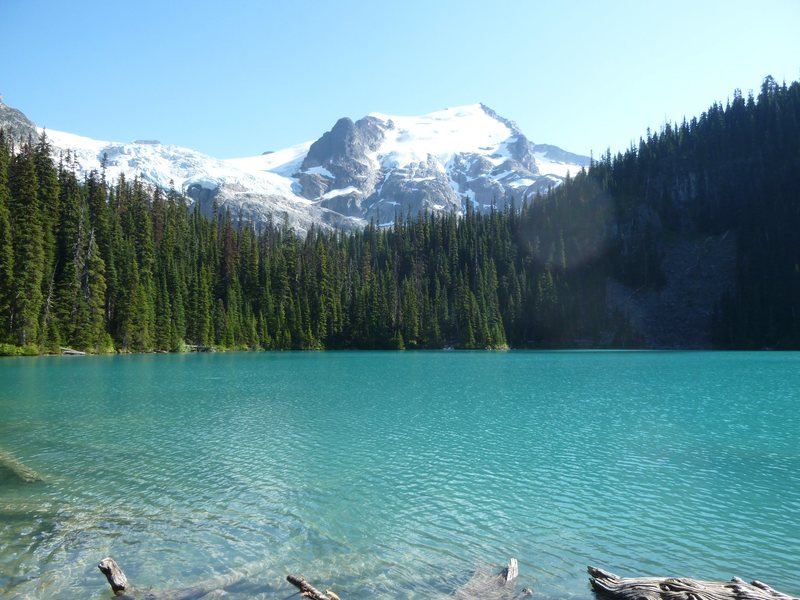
(354, 173)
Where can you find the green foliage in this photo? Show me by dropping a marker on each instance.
(12, 350)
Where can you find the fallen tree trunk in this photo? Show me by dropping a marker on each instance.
(71, 352)
(609, 585)
(308, 590)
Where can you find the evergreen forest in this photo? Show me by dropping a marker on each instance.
(105, 266)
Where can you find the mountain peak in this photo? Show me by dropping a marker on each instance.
(471, 128)
(450, 112)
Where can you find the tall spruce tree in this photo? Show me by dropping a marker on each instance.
(6, 245)
(29, 255)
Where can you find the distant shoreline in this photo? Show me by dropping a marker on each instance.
(23, 354)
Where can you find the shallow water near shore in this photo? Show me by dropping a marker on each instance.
(396, 475)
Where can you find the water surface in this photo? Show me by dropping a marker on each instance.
(395, 475)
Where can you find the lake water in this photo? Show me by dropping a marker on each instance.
(396, 475)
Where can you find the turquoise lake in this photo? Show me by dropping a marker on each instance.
(396, 475)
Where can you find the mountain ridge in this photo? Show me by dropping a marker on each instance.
(371, 169)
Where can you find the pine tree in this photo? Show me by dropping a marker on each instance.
(163, 337)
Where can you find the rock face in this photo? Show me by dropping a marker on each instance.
(338, 170)
(16, 125)
(374, 169)
(554, 153)
(381, 166)
(697, 272)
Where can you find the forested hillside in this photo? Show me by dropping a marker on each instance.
(733, 173)
(106, 266)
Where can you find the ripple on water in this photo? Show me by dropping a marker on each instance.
(396, 475)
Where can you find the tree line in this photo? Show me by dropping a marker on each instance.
(121, 266)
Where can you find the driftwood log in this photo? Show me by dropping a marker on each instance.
(511, 572)
(115, 576)
(609, 585)
(71, 352)
(308, 590)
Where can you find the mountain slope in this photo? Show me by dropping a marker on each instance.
(697, 226)
(16, 126)
(257, 194)
(371, 169)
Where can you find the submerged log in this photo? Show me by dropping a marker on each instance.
(485, 584)
(609, 585)
(206, 590)
(25, 473)
(308, 590)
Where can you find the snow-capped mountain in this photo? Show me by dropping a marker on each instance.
(370, 169)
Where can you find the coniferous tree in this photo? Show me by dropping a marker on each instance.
(64, 301)
(94, 293)
(29, 256)
(6, 245)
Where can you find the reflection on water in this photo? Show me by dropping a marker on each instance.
(396, 475)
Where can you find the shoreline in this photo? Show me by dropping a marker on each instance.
(12, 351)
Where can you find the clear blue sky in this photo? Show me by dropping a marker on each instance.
(239, 77)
